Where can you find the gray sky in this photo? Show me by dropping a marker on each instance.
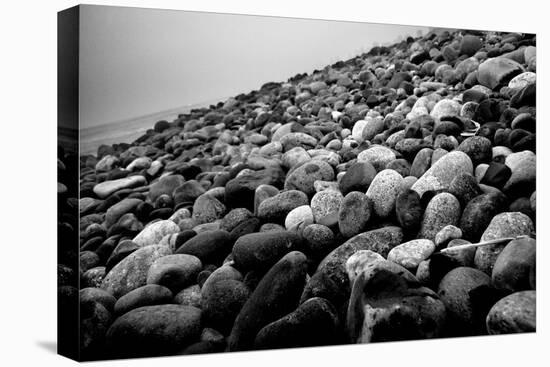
(136, 61)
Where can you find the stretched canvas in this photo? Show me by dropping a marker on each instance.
(235, 183)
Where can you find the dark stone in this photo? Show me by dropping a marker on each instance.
(239, 192)
(211, 247)
(497, 175)
(409, 210)
(262, 250)
(314, 323)
(358, 177)
(527, 96)
(478, 148)
(221, 302)
(422, 162)
(276, 295)
(479, 212)
(154, 331)
(147, 295)
(514, 265)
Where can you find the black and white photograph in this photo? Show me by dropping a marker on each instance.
(274, 183)
(336, 183)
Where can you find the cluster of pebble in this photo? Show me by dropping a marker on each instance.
(314, 211)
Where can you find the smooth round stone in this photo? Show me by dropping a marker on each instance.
(445, 107)
(497, 71)
(464, 187)
(107, 163)
(294, 157)
(438, 154)
(524, 121)
(496, 175)
(314, 323)
(131, 272)
(116, 211)
(276, 295)
(479, 212)
(354, 213)
(319, 240)
(442, 172)
(303, 177)
(277, 207)
(377, 155)
(410, 254)
(380, 241)
(456, 291)
(442, 210)
(174, 271)
(207, 209)
(234, 218)
(221, 302)
(297, 139)
(190, 296)
(139, 164)
(359, 262)
(514, 265)
(516, 313)
(92, 294)
(325, 206)
(383, 192)
(299, 217)
(154, 232)
(524, 171)
(470, 44)
(88, 260)
(148, 295)
(95, 319)
(447, 234)
(478, 148)
(421, 162)
(480, 171)
(357, 130)
(508, 224)
(154, 330)
(165, 186)
(409, 210)
(372, 128)
(187, 193)
(522, 80)
(262, 250)
(106, 188)
(358, 177)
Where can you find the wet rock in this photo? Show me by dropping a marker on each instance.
(175, 272)
(358, 177)
(148, 295)
(478, 213)
(277, 207)
(154, 232)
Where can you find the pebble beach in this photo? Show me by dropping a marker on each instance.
(321, 210)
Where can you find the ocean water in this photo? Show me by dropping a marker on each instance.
(128, 130)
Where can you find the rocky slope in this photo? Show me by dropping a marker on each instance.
(314, 211)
